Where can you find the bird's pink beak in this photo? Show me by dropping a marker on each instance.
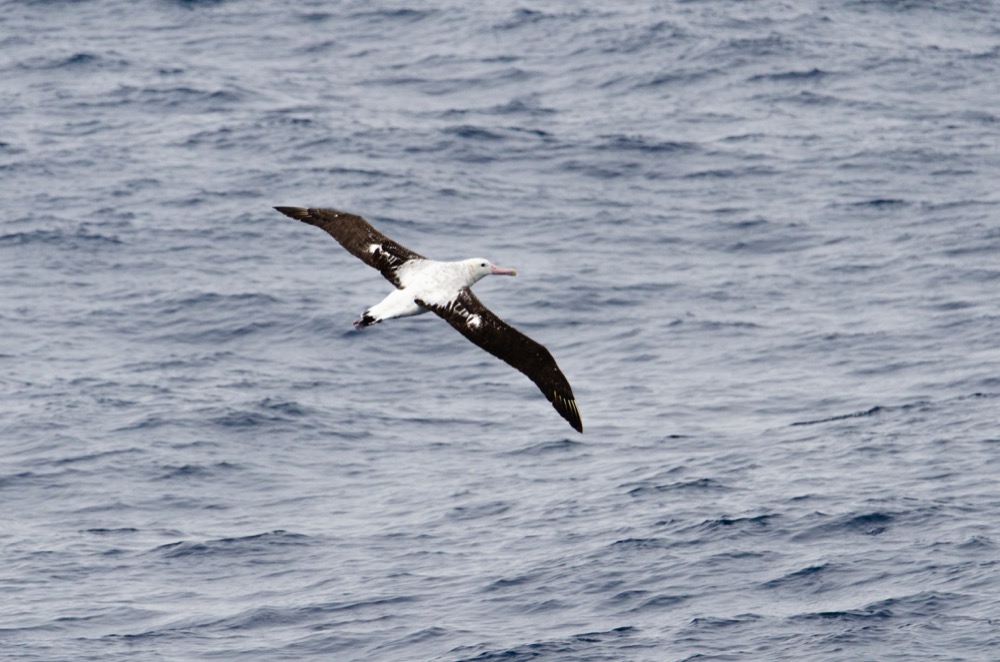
(502, 271)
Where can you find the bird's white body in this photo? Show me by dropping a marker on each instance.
(433, 282)
(399, 303)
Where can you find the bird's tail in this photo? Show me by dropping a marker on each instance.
(366, 320)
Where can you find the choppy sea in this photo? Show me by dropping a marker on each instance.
(762, 240)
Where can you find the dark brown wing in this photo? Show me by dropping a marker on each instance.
(359, 238)
(478, 323)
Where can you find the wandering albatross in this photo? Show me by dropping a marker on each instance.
(443, 288)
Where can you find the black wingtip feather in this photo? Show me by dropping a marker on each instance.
(567, 409)
(298, 213)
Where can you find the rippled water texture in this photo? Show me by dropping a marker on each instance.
(761, 239)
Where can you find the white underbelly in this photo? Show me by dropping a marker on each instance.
(399, 303)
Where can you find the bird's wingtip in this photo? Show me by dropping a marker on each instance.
(567, 409)
(298, 213)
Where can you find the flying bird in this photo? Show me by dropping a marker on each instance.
(443, 288)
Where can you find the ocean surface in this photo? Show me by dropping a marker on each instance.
(762, 240)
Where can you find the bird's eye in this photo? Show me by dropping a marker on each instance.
(483, 264)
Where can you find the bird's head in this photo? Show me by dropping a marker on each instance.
(480, 267)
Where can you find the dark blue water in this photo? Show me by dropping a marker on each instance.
(761, 239)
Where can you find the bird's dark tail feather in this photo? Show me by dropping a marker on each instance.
(366, 320)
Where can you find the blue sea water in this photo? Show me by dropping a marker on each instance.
(762, 240)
